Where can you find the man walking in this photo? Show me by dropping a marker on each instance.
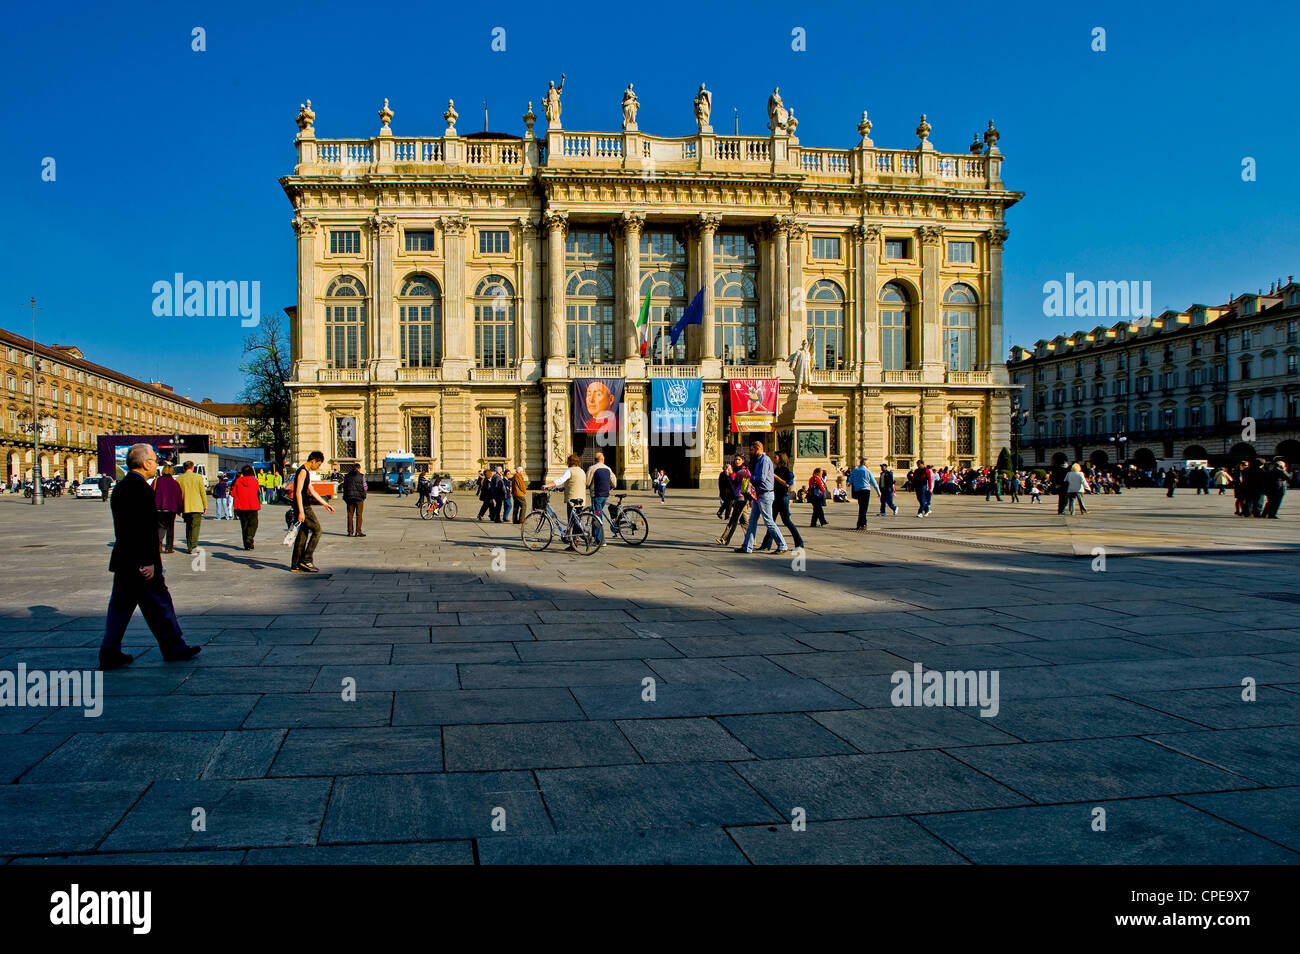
(137, 568)
(923, 485)
(106, 481)
(484, 493)
(763, 485)
(994, 486)
(784, 478)
(519, 490)
(862, 482)
(304, 546)
(194, 501)
(247, 501)
(600, 481)
(354, 495)
(886, 483)
(1014, 486)
(1276, 480)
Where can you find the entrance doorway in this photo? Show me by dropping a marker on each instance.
(677, 463)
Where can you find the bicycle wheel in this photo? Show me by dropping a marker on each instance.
(632, 527)
(449, 509)
(425, 511)
(536, 531)
(582, 535)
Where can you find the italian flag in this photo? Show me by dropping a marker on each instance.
(643, 324)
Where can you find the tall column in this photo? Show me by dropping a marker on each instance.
(868, 310)
(993, 344)
(710, 360)
(556, 223)
(526, 317)
(781, 290)
(932, 366)
(798, 309)
(307, 326)
(385, 353)
(632, 223)
(457, 321)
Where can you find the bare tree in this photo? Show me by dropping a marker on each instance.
(266, 368)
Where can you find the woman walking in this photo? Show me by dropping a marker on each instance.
(725, 495)
(817, 496)
(167, 498)
(739, 497)
(247, 500)
(782, 480)
(1075, 485)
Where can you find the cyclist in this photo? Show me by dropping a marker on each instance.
(601, 480)
(575, 480)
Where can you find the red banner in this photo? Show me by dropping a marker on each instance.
(753, 404)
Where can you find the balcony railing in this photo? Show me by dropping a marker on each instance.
(968, 377)
(748, 371)
(635, 151)
(901, 377)
(833, 376)
(672, 371)
(495, 374)
(419, 374)
(342, 375)
(596, 370)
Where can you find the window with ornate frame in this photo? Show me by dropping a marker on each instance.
(735, 298)
(419, 325)
(895, 328)
(902, 428)
(960, 324)
(589, 297)
(494, 323)
(825, 307)
(346, 334)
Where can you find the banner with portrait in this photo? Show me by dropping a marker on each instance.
(675, 405)
(596, 403)
(753, 404)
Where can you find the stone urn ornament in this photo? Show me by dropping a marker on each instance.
(305, 117)
(385, 116)
(450, 116)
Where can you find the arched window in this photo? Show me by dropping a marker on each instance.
(735, 298)
(494, 323)
(895, 328)
(345, 323)
(960, 346)
(667, 302)
(419, 314)
(663, 275)
(826, 324)
(589, 296)
(589, 304)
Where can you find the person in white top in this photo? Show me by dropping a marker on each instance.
(1075, 485)
(574, 482)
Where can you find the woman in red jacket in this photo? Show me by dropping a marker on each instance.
(817, 496)
(247, 498)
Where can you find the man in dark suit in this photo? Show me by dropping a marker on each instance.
(137, 567)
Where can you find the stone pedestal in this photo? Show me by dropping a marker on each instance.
(803, 432)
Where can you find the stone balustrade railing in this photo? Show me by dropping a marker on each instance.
(635, 152)
(820, 376)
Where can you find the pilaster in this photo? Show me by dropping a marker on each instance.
(556, 224)
(932, 365)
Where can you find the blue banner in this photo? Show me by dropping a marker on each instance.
(675, 405)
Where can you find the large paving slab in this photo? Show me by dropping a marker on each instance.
(671, 703)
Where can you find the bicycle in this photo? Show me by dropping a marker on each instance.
(628, 523)
(541, 525)
(431, 506)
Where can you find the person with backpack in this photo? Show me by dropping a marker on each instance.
(923, 485)
(817, 497)
(354, 495)
(221, 499)
(600, 482)
(886, 482)
(739, 497)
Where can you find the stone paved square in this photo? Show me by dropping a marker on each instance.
(671, 703)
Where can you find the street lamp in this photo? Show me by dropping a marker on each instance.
(1119, 440)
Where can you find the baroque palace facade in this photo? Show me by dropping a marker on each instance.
(452, 290)
(76, 402)
(1215, 383)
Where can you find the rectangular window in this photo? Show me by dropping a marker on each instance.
(421, 437)
(1194, 416)
(494, 437)
(419, 241)
(965, 436)
(493, 241)
(961, 253)
(1292, 367)
(1292, 332)
(826, 248)
(902, 436)
(345, 444)
(897, 248)
(834, 437)
(345, 241)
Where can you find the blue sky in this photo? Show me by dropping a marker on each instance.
(168, 159)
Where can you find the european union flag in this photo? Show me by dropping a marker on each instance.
(693, 315)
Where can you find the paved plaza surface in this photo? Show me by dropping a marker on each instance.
(496, 687)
